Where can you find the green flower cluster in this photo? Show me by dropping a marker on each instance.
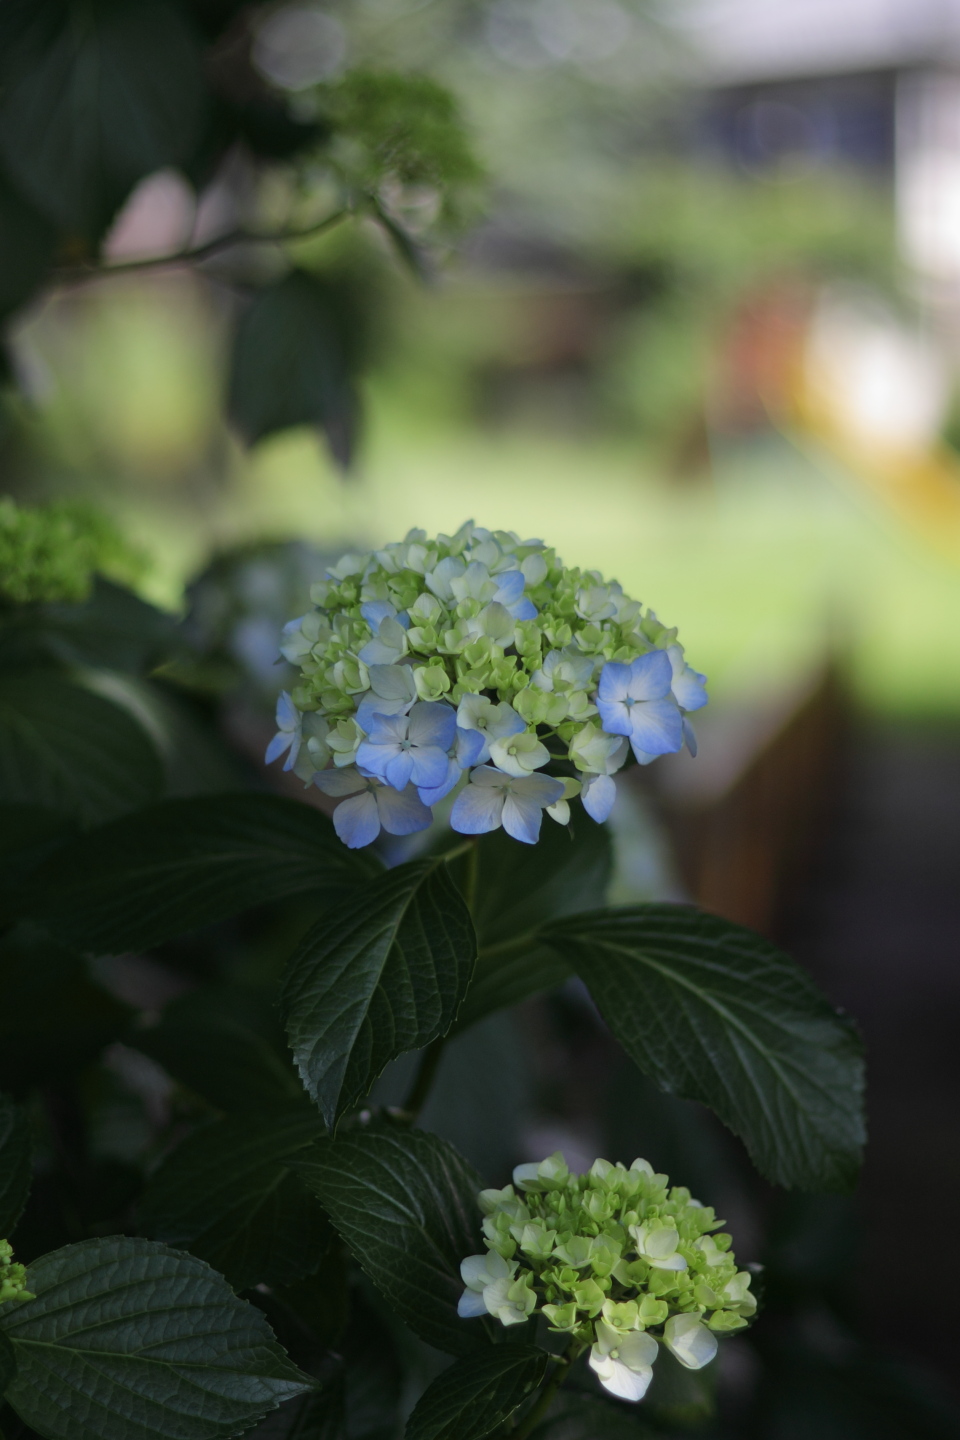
(476, 613)
(51, 553)
(13, 1278)
(617, 1259)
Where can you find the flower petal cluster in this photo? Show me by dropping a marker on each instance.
(618, 1260)
(476, 660)
(13, 1278)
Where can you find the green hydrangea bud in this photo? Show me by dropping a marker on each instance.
(13, 1278)
(617, 1259)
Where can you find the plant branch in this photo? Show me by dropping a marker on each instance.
(547, 1395)
(73, 275)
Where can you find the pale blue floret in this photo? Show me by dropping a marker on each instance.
(465, 753)
(453, 580)
(635, 700)
(370, 806)
(389, 642)
(289, 735)
(491, 722)
(493, 799)
(598, 793)
(404, 748)
(393, 691)
(688, 685)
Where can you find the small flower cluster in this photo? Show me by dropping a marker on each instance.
(13, 1278)
(51, 552)
(616, 1259)
(477, 656)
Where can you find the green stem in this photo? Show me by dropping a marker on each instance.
(473, 876)
(431, 1056)
(547, 1395)
(425, 1077)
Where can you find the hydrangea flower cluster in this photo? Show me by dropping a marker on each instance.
(616, 1259)
(13, 1278)
(476, 658)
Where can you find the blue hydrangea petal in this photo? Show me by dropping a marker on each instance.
(375, 611)
(398, 769)
(477, 809)
(433, 722)
(657, 727)
(288, 716)
(432, 795)
(280, 742)
(650, 676)
(387, 729)
(402, 812)
(510, 585)
(375, 758)
(357, 820)
(689, 688)
(614, 683)
(598, 794)
(522, 817)
(429, 765)
(524, 609)
(614, 716)
(471, 745)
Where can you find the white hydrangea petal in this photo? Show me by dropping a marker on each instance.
(692, 1343)
(470, 1305)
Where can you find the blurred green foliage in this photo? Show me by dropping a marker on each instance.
(52, 553)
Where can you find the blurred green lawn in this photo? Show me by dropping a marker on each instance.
(777, 558)
(764, 569)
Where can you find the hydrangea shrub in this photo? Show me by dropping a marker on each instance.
(474, 681)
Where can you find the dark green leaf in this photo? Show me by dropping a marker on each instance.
(8, 1364)
(53, 1019)
(27, 241)
(383, 973)
(308, 1417)
(186, 863)
(98, 95)
(16, 1164)
(112, 629)
(476, 1395)
(405, 1203)
(713, 1012)
(576, 1416)
(128, 1340)
(69, 750)
(518, 887)
(28, 836)
(227, 1195)
(224, 1062)
(294, 362)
